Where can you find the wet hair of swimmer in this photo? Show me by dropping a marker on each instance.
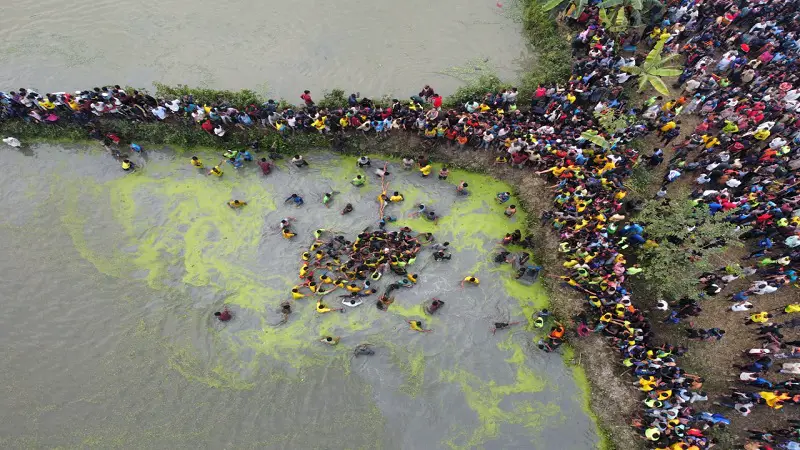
(217, 313)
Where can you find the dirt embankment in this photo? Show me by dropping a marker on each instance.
(614, 399)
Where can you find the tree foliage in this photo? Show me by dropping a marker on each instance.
(654, 67)
(595, 138)
(688, 236)
(611, 120)
(580, 5)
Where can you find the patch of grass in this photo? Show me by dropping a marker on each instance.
(640, 182)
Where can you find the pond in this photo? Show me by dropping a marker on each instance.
(276, 47)
(111, 280)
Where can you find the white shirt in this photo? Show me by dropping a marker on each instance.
(741, 306)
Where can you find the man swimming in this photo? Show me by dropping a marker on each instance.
(298, 201)
(502, 326)
(433, 306)
(298, 161)
(363, 350)
(224, 315)
(416, 325)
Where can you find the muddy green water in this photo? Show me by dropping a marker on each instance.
(277, 47)
(110, 281)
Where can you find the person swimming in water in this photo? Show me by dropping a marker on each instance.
(461, 189)
(363, 162)
(363, 350)
(502, 257)
(416, 325)
(323, 308)
(196, 162)
(503, 197)
(298, 201)
(384, 302)
(328, 198)
(128, 165)
(348, 208)
(330, 340)
(434, 305)
(234, 204)
(358, 181)
(298, 161)
(470, 279)
(502, 325)
(216, 170)
(286, 309)
(441, 255)
(224, 315)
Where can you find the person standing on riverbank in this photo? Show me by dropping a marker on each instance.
(306, 97)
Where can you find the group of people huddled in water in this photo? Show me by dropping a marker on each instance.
(739, 84)
(355, 268)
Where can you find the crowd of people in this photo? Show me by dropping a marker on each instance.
(741, 159)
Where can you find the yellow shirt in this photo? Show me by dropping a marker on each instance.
(197, 163)
(668, 126)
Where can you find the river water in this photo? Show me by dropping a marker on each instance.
(110, 280)
(277, 47)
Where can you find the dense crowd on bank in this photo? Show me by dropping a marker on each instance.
(740, 78)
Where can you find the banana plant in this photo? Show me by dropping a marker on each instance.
(621, 14)
(615, 22)
(595, 138)
(654, 67)
(580, 5)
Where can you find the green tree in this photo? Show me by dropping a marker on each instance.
(619, 15)
(688, 238)
(654, 67)
(595, 138)
(580, 5)
(611, 120)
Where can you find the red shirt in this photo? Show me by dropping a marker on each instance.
(437, 101)
(224, 316)
(307, 98)
(265, 167)
(207, 126)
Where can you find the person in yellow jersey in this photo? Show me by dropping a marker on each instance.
(425, 170)
(235, 204)
(323, 308)
(287, 233)
(128, 165)
(472, 280)
(196, 162)
(396, 197)
(215, 171)
(416, 325)
(296, 294)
